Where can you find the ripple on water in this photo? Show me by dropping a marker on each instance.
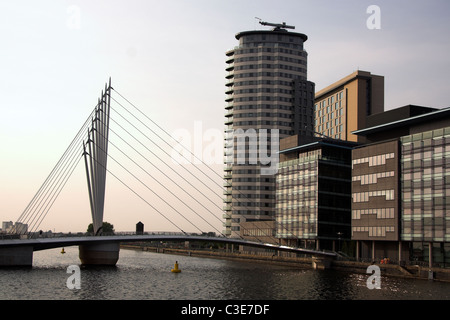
(145, 275)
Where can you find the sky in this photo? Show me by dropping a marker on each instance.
(168, 58)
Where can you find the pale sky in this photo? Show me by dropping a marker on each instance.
(168, 57)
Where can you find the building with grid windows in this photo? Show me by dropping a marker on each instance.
(268, 97)
(425, 179)
(401, 187)
(375, 198)
(313, 193)
(343, 106)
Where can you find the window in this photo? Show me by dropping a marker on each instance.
(365, 196)
(375, 160)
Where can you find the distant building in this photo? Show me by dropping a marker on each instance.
(6, 225)
(17, 228)
(344, 106)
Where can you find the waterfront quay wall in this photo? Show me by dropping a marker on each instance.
(394, 270)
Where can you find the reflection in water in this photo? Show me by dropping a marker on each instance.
(144, 275)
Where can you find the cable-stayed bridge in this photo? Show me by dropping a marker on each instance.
(120, 141)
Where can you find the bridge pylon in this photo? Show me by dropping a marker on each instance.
(96, 156)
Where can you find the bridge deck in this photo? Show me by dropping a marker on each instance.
(49, 243)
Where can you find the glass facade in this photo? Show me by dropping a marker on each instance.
(313, 196)
(297, 197)
(425, 181)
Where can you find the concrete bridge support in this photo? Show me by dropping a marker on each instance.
(16, 256)
(101, 254)
(321, 262)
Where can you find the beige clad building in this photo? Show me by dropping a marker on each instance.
(343, 106)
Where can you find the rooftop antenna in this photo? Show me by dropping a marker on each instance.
(277, 26)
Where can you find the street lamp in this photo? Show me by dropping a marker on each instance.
(339, 238)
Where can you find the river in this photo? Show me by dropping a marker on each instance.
(141, 275)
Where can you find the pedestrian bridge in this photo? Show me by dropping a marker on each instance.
(170, 195)
(104, 250)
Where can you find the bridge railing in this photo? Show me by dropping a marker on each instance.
(45, 235)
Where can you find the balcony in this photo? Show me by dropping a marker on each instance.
(230, 67)
(230, 52)
(229, 121)
(230, 58)
(229, 98)
(229, 90)
(226, 216)
(229, 113)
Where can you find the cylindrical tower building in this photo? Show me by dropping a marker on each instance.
(267, 91)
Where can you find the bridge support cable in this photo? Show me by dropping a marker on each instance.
(189, 194)
(34, 226)
(165, 163)
(161, 184)
(171, 169)
(165, 132)
(143, 199)
(46, 195)
(166, 153)
(189, 151)
(151, 190)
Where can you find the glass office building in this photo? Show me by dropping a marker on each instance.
(422, 193)
(425, 202)
(313, 195)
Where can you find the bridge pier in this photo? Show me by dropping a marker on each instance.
(16, 256)
(321, 262)
(105, 254)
